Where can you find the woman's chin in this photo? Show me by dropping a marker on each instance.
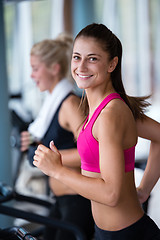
(81, 86)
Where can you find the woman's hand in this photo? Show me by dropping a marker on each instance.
(48, 160)
(25, 140)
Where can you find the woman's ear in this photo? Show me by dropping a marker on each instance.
(113, 64)
(55, 68)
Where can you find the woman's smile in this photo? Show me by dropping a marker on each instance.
(84, 76)
(89, 64)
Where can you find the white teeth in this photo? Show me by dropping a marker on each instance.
(82, 76)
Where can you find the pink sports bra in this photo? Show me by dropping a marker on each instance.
(88, 146)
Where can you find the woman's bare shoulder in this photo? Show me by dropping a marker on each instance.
(71, 116)
(117, 119)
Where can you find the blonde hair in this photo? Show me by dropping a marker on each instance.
(58, 50)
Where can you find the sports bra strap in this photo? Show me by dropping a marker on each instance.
(102, 105)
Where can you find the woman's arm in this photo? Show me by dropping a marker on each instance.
(108, 187)
(49, 161)
(71, 118)
(70, 158)
(149, 129)
(71, 115)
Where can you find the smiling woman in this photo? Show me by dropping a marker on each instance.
(89, 64)
(43, 75)
(106, 142)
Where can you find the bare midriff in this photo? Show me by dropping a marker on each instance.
(125, 213)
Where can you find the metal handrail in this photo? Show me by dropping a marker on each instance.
(8, 193)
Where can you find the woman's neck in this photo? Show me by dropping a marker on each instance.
(96, 97)
(55, 82)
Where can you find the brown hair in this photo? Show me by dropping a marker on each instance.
(112, 45)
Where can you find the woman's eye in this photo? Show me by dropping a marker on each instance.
(76, 57)
(92, 59)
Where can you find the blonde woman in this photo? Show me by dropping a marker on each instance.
(58, 120)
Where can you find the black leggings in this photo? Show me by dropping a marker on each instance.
(74, 209)
(143, 229)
